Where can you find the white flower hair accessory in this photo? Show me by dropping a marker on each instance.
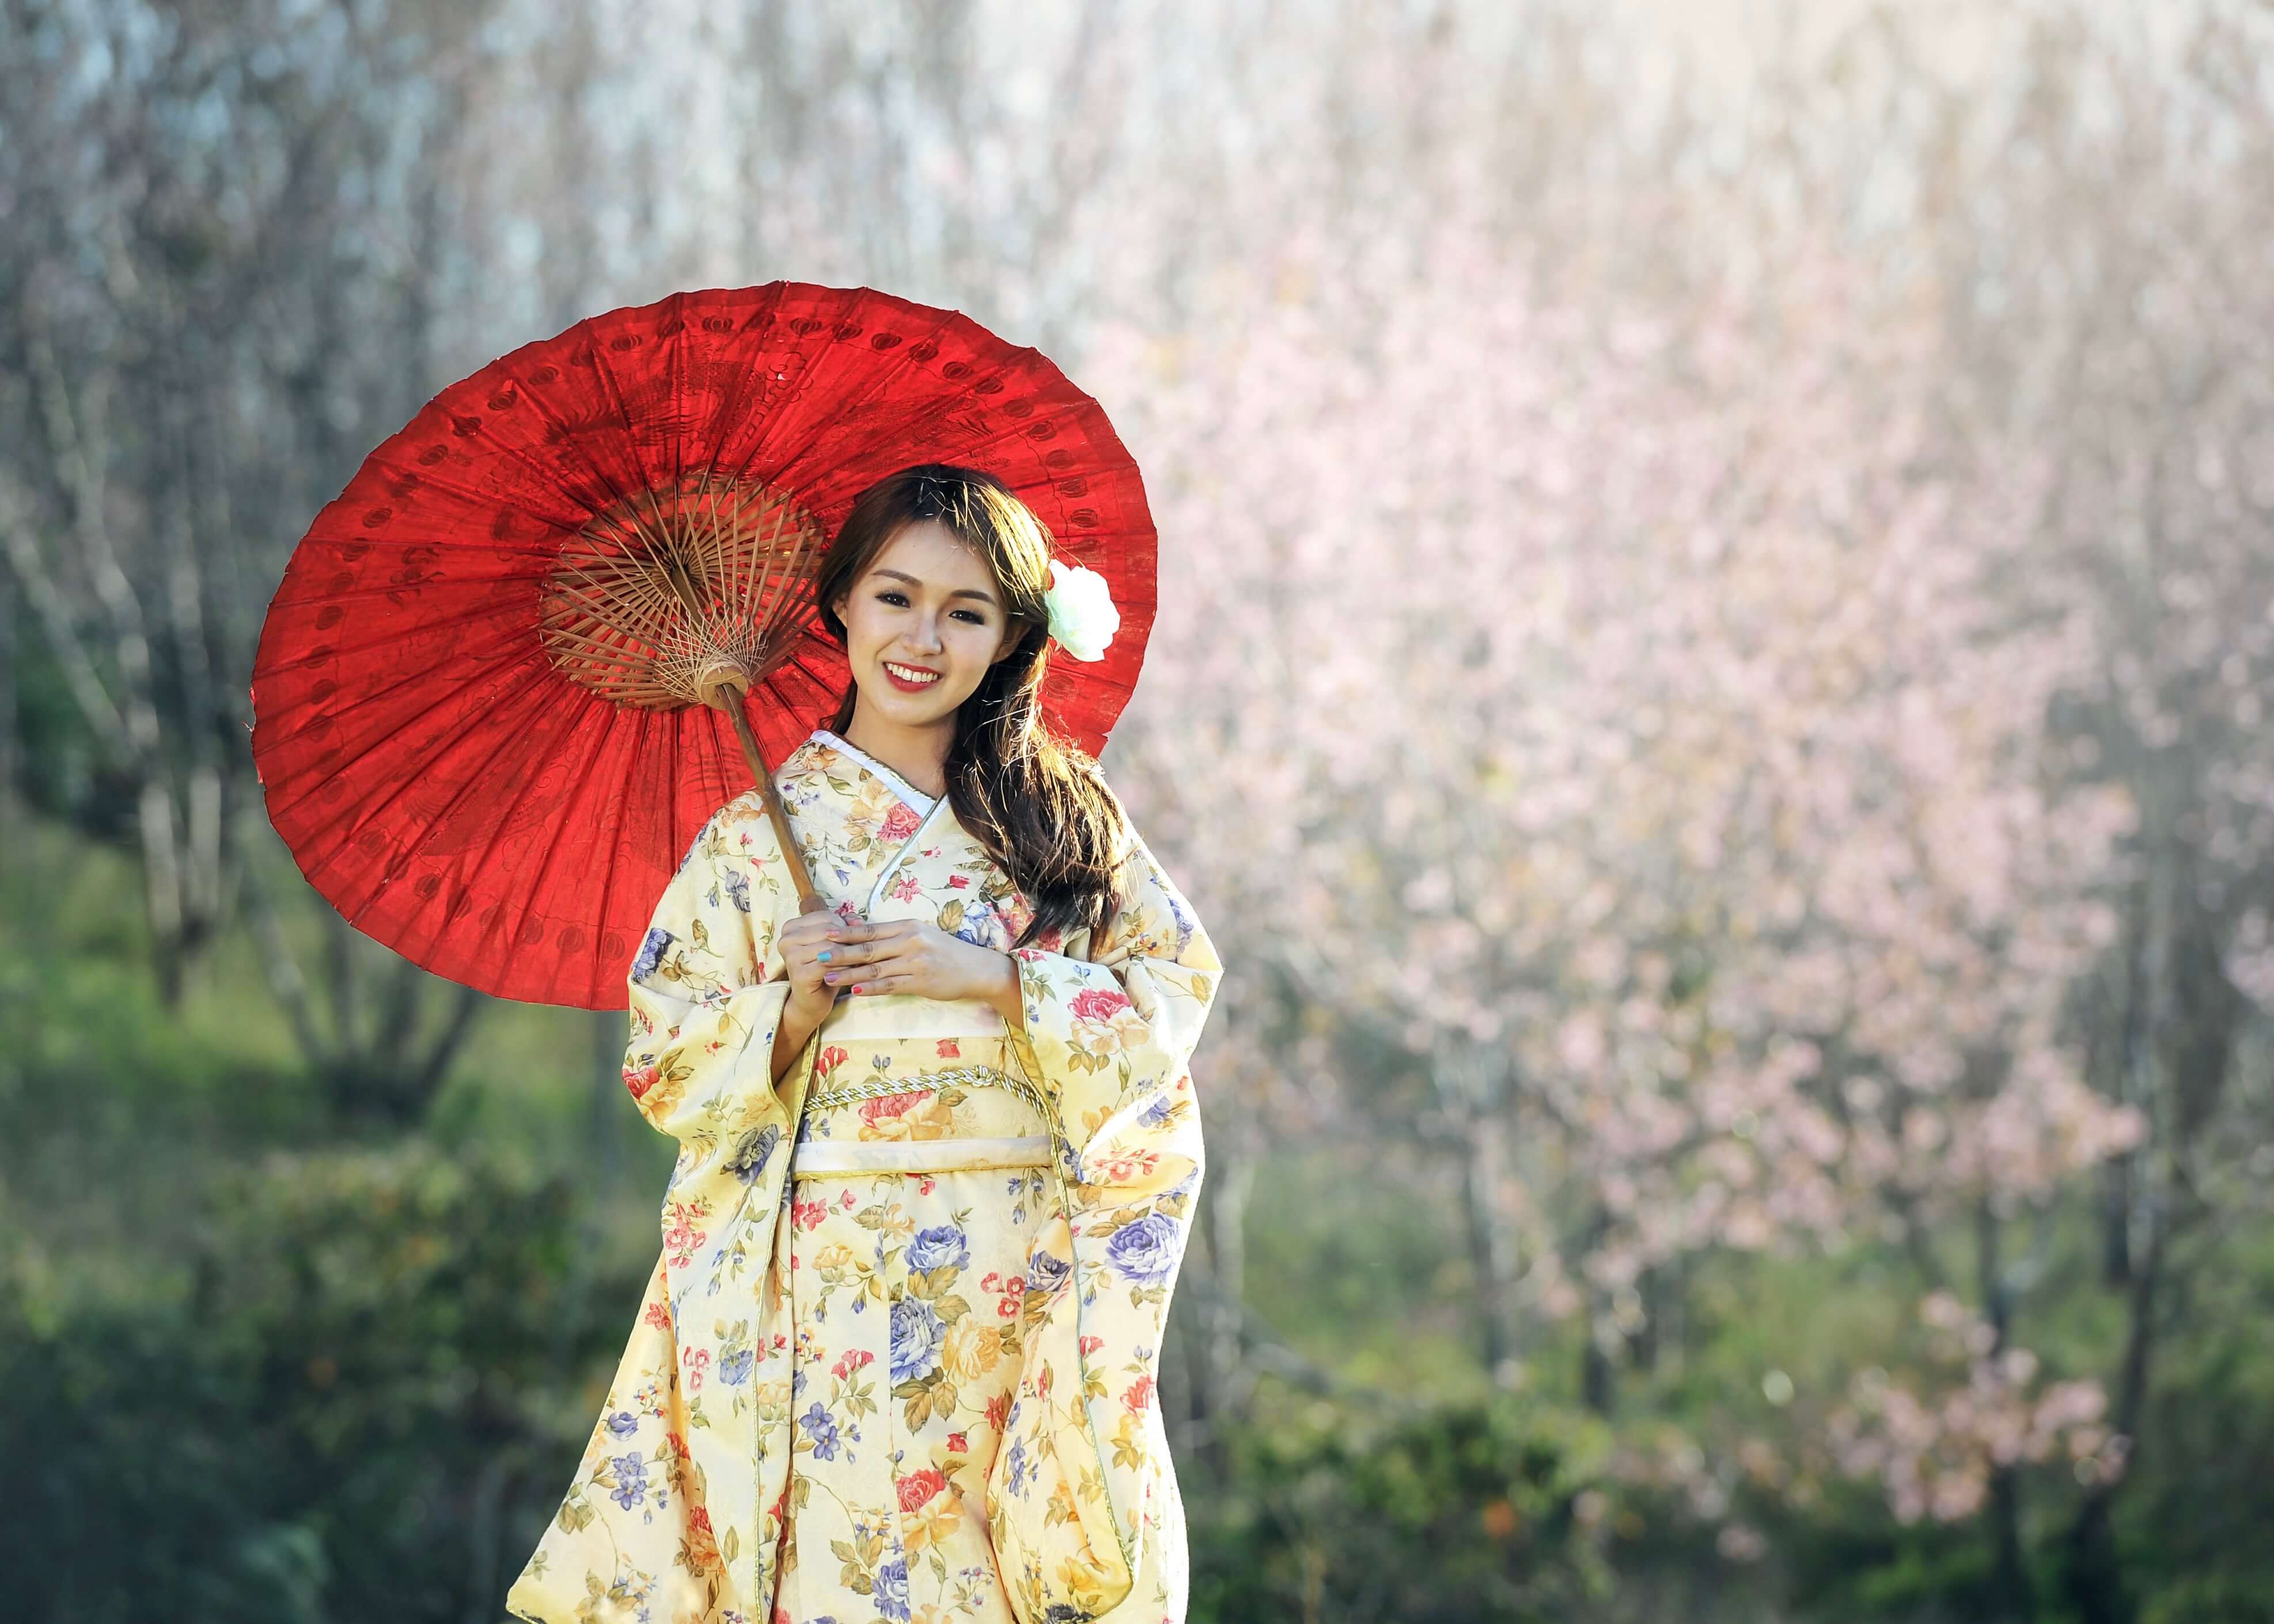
(1083, 619)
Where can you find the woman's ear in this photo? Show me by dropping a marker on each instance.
(1015, 638)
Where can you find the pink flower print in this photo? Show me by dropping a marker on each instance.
(829, 1059)
(920, 1486)
(891, 1106)
(697, 1360)
(1129, 1166)
(853, 1361)
(1091, 1344)
(847, 912)
(902, 822)
(959, 881)
(809, 1214)
(1140, 1394)
(1014, 1292)
(950, 1049)
(639, 1079)
(1098, 1004)
(958, 1444)
(658, 1315)
(682, 1237)
(906, 888)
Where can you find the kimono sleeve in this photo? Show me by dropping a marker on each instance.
(1081, 1486)
(708, 987)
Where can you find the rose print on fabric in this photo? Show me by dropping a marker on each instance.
(651, 954)
(940, 1248)
(916, 1333)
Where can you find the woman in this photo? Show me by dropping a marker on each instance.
(938, 1146)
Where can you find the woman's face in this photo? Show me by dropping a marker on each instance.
(922, 624)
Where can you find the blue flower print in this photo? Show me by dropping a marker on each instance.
(622, 1424)
(735, 1368)
(1046, 1273)
(973, 928)
(755, 1150)
(631, 1480)
(1157, 1115)
(892, 1591)
(822, 1428)
(1017, 1468)
(737, 888)
(1145, 1251)
(916, 1336)
(651, 952)
(941, 1247)
(1186, 922)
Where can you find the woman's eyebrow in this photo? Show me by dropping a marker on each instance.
(983, 596)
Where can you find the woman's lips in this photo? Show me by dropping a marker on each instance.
(909, 685)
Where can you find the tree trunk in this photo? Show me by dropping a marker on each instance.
(1491, 1250)
(2012, 1597)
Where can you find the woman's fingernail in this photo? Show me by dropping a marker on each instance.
(859, 989)
(822, 956)
(830, 980)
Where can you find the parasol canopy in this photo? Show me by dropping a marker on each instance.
(480, 757)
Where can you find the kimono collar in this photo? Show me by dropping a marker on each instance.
(898, 785)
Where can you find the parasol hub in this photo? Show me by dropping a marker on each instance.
(671, 596)
(721, 684)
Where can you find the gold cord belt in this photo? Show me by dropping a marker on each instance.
(822, 1158)
(925, 1082)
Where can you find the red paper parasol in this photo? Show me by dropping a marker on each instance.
(479, 768)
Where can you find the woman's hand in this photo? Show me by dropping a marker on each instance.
(909, 956)
(802, 940)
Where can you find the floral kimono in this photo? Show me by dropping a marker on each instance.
(897, 1358)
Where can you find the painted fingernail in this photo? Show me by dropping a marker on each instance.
(859, 989)
(822, 956)
(830, 980)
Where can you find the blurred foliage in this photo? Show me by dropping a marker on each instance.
(1463, 1513)
(264, 1370)
(342, 1398)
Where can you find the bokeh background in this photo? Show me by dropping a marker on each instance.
(1718, 620)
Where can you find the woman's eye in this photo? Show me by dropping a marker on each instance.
(898, 600)
(972, 615)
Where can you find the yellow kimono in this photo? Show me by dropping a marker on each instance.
(897, 1359)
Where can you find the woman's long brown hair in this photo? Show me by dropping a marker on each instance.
(1036, 802)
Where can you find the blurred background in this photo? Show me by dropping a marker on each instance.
(1718, 621)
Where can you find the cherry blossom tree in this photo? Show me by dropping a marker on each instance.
(1627, 756)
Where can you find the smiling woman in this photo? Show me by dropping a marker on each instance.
(945, 573)
(906, 1371)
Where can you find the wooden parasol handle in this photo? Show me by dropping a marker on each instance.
(725, 690)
